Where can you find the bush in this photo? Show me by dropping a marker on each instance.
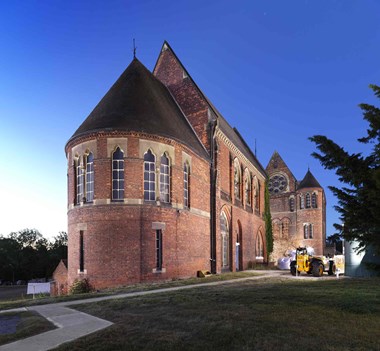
(81, 287)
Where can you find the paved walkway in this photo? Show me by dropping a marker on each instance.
(72, 324)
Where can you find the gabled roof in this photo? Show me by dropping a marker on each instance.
(139, 102)
(275, 161)
(230, 132)
(309, 181)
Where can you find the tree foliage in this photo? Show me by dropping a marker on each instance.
(26, 255)
(268, 222)
(359, 198)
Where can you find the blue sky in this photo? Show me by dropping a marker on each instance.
(279, 71)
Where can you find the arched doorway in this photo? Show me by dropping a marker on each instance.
(225, 237)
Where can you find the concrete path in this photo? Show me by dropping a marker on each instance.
(72, 324)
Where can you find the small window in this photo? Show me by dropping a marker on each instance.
(81, 251)
(159, 250)
(118, 175)
(90, 177)
(314, 200)
(308, 202)
(237, 179)
(186, 169)
(302, 202)
(164, 179)
(291, 204)
(149, 176)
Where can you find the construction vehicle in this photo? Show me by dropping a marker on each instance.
(310, 264)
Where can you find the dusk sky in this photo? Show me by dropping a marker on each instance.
(279, 71)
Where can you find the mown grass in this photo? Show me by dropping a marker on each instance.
(269, 314)
(40, 300)
(31, 323)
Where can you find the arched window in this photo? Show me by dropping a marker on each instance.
(302, 202)
(149, 176)
(118, 175)
(291, 204)
(186, 171)
(308, 202)
(90, 177)
(314, 200)
(247, 188)
(164, 179)
(79, 181)
(225, 234)
(259, 246)
(237, 179)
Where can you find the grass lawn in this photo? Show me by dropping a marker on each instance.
(269, 314)
(14, 302)
(26, 324)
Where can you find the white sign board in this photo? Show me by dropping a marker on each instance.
(38, 288)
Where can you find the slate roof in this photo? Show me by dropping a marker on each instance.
(309, 181)
(139, 102)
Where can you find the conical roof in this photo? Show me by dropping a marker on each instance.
(309, 181)
(139, 102)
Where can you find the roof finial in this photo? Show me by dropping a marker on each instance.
(255, 149)
(134, 48)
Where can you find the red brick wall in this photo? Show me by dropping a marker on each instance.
(280, 210)
(60, 286)
(171, 73)
(119, 242)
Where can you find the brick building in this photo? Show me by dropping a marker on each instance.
(298, 209)
(159, 184)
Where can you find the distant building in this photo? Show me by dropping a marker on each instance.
(160, 185)
(298, 209)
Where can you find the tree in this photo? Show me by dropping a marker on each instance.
(359, 200)
(268, 222)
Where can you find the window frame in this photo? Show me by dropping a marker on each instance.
(165, 178)
(186, 179)
(149, 171)
(90, 178)
(118, 176)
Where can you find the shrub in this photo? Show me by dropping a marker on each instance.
(81, 287)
